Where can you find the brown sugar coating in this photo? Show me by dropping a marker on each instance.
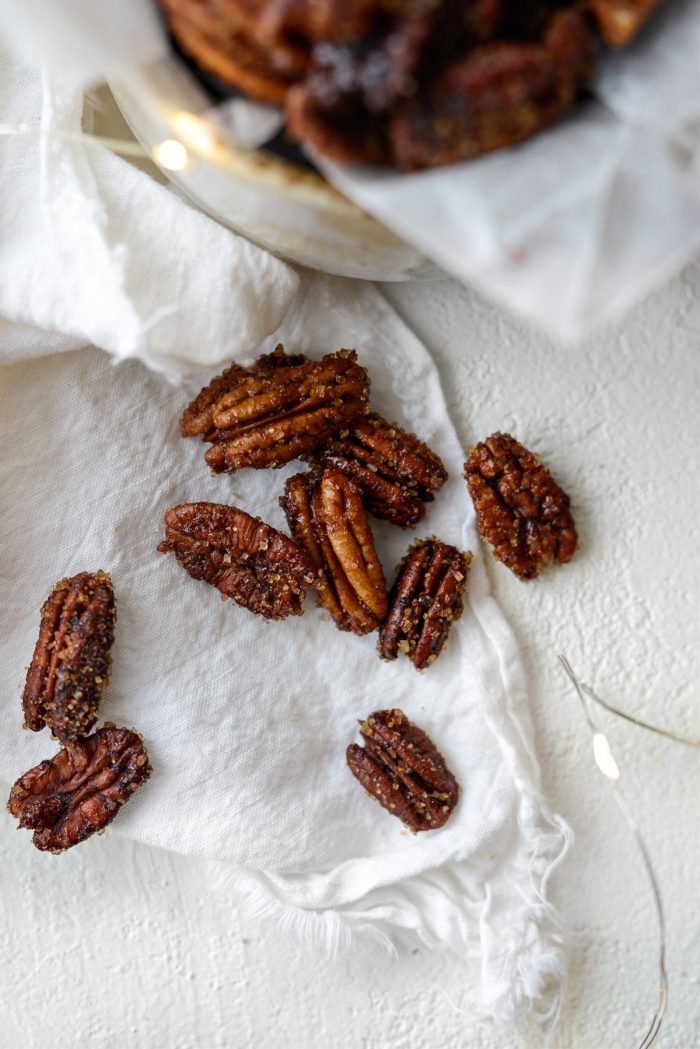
(496, 95)
(80, 790)
(72, 659)
(520, 508)
(424, 602)
(281, 408)
(327, 518)
(246, 559)
(396, 472)
(403, 769)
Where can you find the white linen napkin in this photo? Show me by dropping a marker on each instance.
(92, 249)
(246, 721)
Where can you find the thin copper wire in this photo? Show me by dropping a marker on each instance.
(585, 694)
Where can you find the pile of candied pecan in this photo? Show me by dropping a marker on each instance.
(414, 83)
(359, 465)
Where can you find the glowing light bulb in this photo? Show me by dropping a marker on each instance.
(603, 757)
(171, 155)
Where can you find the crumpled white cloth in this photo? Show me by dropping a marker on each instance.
(93, 250)
(246, 721)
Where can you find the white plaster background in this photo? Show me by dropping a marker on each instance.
(116, 945)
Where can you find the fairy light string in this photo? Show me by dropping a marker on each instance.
(605, 761)
(170, 154)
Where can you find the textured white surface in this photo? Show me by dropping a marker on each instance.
(118, 945)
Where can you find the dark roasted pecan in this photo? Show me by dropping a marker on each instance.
(72, 659)
(424, 602)
(396, 472)
(520, 508)
(402, 768)
(277, 410)
(260, 568)
(619, 21)
(327, 518)
(80, 790)
(496, 95)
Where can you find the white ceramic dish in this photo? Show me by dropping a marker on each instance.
(284, 207)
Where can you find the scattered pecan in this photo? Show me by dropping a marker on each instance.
(277, 410)
(402, 768)
(425, 600)
(260, 568)
(396, 472)
(520, 508)
(72, 658)
(80, 790)
(619, 21)
(327, 518)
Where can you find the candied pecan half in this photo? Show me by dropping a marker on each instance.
(197, 416)
(327, 518)
(262, 569)
(403, 769)
(619, 21)
(424, 602)
(72, 658)
(520, 508)
(396, 472)
(277, 410)
(496, 95)
(80, 790)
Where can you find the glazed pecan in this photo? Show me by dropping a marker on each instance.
(327, 518)
(80, 790)
(396, 472)
(424, 602)
(260, 568)
(496, 95)
(72, 659)
(197, 416)
(402, 768)
(520, 508)
(277, 410)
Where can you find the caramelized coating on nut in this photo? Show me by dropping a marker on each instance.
(424, 602)
(197, 417)
(520, 508)
(327, 518)
(80, 790)
(277, 410)
(72, 658)
(402, 768)
(496, 95)
(262, 569)
(396, 472)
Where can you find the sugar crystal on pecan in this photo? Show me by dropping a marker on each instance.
(278, 410)
(424, 602)
(80, 790)
(72, 659)
(402, 768)
(245, 558)
(521, 510)
(396, 471)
